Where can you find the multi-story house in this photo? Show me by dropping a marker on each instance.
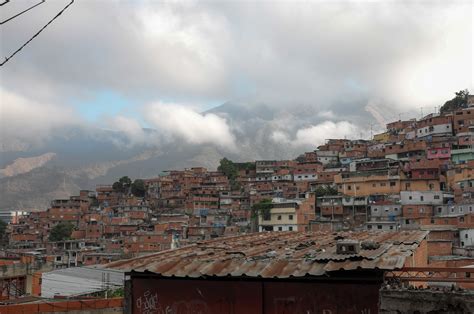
(288, 215)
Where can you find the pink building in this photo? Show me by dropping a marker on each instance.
(438, 153)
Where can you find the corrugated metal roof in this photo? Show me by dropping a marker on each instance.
(278, 255)
(79, 281)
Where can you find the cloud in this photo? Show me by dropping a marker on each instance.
(316, 135)
(25, 122)
(182, 122)
(406, 54)
(336, 59)
(134, 132)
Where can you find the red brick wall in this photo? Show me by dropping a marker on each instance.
(438, 248)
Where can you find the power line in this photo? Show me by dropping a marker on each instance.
(24, 11)
(37, 33)
(4, 2)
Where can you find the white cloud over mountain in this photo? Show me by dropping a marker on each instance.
(394, 56)
(183, 123)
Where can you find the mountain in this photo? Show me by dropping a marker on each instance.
(76, 158)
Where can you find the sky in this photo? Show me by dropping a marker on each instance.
(126, 65)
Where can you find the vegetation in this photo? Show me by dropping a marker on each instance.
(325, 190)
(122, 185)
(138, 188)
(62, 231)
(3, 229)
(231, 170)
(262, 208)
(116, 293)
(459, 101)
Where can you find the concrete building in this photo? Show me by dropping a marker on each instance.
(466, 237)
(288, 215)
(421, 197)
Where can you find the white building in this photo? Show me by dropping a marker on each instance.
(434, 130)
(466, 237)
(421, 197)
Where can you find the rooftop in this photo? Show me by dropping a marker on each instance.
(278, 255)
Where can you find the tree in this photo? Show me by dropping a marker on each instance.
(138, 188)
(3, 229)
(262, 208)
(459, 101)
(122, 185)
(230, 170)
(62, 231)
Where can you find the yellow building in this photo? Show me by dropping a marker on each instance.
(382, 137)
(288, 215)
(358, 184)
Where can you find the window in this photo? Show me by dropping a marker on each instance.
(432, 221)
(280, 228)
(410, 197)
(391, 227)
(373, 185)
(382, 184)
(379, 226)
(290, 217)
(436, 197)
(349, 187)
(439, 210)
(369, 226)
(279, 217)
(392, 183)
(422, 198)
(375, 209)
(290, 228)
(466, 236)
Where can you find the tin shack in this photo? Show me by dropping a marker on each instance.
(274, 272)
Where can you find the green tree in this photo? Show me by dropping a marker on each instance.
(230, 170)
(3, 230)
(138, 188)
(263, 208)
(62, 231)
(122, 185)
(459, 101)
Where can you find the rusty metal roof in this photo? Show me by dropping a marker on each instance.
(278, 255)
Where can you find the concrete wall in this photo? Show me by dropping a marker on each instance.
(421, 197)
(425, 301)
(466, 237)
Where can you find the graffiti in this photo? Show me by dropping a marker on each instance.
(148, 303)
